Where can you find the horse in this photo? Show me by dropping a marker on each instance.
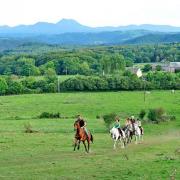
(128, 133)
(81, 136)
(134, 128)
(116, 135)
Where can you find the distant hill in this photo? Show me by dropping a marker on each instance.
(101, 38)
(116, 37)
(10, 43)
(71, 26)
(70, 32)
(155, 38)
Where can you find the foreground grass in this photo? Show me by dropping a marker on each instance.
(47, 154)
(50, 156)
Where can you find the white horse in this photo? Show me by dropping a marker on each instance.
(116, 135)
(137, 133)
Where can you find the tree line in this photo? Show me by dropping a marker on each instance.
(84, 61)
(126, 81)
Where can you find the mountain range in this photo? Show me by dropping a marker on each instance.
(72, 26)
(70, 32)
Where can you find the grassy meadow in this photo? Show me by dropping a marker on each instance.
(48, 153)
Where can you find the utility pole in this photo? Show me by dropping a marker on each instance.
(144, 89)
(58, 84)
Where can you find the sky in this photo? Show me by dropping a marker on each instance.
(91, 12)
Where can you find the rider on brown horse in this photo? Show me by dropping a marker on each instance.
(82, 134)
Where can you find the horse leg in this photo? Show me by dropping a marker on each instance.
(85, 146)
(135, 139)
(115, 144)
(88, 145)
(122, 142)
(139, 137)
(79, 145)
(75, 144)
(129, 138)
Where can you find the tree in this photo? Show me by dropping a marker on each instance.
(15, 87)
(147, 68)
(129, 62)
(84, 69)
(3, 86)
(158, 68)
(50, 75)
(106, 64)
(46, 66)
(117, 63)
(26, 67)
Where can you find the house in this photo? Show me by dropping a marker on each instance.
(167, 67)
(174, 66)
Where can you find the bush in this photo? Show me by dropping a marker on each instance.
(156, 115)
(15, 87)
(142, 114)
(109, 119)
(49, 115)
(3, 86)
(98, 117)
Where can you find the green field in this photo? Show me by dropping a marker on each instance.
(48, 153)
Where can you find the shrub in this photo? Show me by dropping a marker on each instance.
(156, 115)
(142, 114)
(109, 119)
(15, 87)
(49, 115)
(3, 86)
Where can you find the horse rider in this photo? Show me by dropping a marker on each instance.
(85, 129)
(83, 124)
(132, 120)
(127, 122)
(140, 127)
(117, 125)
(79, 117)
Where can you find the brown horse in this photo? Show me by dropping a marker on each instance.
(81, 135)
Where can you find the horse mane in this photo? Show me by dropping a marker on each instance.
(81, 123)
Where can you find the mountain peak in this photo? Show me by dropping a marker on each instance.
(71, 25)
(68, 22)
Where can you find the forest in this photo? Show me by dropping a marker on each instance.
(93, 68)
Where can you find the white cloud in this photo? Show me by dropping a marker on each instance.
(91, 12)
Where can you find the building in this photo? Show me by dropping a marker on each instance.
(168, 67)
(174, 66)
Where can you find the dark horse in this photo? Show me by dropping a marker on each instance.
(81, 135)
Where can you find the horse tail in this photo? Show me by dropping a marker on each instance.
(91, 138)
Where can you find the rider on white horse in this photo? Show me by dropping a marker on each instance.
(139, 125)
(117, 133)
(117, 125)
